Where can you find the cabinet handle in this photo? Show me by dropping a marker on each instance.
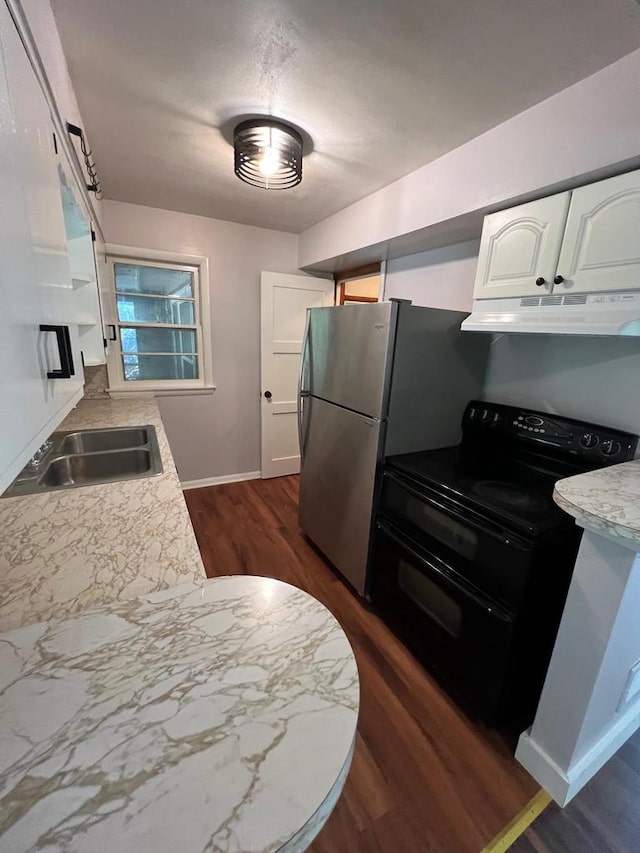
(558, 279)
(63, 338)
(540, 281)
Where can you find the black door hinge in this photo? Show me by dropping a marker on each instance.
(55, 143)
(93, 235)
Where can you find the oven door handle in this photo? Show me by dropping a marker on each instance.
(486, 604)
(486, 526)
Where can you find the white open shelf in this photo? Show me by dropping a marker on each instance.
(86, 299)
(81, 279)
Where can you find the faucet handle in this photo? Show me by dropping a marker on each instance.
(40, 453)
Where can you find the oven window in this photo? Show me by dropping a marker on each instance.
(446, 530)
(430, 598)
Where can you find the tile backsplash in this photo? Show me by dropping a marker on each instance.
(96, 382)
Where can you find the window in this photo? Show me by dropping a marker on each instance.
(359, 285)
(159, 325)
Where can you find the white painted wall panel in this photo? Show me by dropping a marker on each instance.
(593, 379)
(39, 17)
(584, 130)
(441, 278)
(217, 434)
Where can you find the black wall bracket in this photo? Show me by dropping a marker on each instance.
(94, 184)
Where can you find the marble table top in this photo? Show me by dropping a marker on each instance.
(606, 500)
(218, 717)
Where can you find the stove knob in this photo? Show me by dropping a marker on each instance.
(588, 440)
(611, 447)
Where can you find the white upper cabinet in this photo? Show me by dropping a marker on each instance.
(583, 241)
(84, 278)
(35, 280)
(601, 245)
(520, 247)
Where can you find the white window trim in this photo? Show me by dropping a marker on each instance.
(118, 387)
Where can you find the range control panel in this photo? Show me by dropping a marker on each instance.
(600, 445)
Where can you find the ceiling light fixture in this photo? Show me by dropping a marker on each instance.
(267, 154)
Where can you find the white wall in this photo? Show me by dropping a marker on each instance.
(441, 278)
(581, 721)
(218, 434)
(589, 128)
(597, 645)
(39, 16)
(40, 21)
(593, 379)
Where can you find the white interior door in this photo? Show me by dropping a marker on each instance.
(284, 302)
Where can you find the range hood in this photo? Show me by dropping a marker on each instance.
(612, 313)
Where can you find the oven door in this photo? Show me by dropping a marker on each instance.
(461, 636)
(491, 559)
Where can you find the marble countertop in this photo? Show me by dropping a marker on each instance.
(66, 550)
(606, 500)
(212, 718)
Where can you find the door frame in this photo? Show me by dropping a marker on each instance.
(290, 464)
(365, 271)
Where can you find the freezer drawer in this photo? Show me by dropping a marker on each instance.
(339, 456)
(346, 355)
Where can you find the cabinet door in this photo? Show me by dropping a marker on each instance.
(35, 285)
(86, 297)
(601, 247)
(520, 246)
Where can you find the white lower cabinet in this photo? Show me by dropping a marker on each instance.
(35, 281)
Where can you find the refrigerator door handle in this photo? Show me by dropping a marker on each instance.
(303, 355)
(301, 438)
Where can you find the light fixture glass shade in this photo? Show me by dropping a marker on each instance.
(267, 154)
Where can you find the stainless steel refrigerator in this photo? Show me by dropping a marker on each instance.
(375, 380)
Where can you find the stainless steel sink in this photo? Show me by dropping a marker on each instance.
(89, 468)
(98, 440)
(90, 457)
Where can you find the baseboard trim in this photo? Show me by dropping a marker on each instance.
(543, 769)
(220, 481)
(564, 785)
(610, 742)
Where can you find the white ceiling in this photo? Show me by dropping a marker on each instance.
(381, 87)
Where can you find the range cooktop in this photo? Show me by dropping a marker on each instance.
(509, 461)
(509, 495)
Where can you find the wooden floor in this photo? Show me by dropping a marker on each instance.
(603, 818)
(423, 778)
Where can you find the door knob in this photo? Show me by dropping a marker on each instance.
(558, 279)
(267, 394)
(540, 281)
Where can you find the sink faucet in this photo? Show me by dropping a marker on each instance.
(40, 454)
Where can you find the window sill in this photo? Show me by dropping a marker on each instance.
(178, 391)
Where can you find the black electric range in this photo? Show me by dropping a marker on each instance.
(471, 557)
(505, 491)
